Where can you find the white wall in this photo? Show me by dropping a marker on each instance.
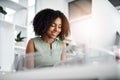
(99, 28)
(6, 46)
(54, 4)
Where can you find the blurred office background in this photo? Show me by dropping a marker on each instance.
(93, 23)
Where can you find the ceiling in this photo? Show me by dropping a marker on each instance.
(115, 3)
(79, 8)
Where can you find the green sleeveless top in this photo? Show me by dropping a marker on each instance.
(44, 55)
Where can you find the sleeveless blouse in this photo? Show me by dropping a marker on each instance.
(46, 56)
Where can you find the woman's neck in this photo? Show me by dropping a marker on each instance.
(48, 40)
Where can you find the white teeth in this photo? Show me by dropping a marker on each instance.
(54, 34)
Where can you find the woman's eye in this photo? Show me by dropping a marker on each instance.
(53, 25)
(59, 26)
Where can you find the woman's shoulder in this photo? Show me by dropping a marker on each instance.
(36, 39)
(60, 42)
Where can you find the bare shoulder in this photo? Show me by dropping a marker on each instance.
(31, 41)
(30, 46)
(63, 44)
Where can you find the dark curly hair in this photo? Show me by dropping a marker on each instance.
(44, 19)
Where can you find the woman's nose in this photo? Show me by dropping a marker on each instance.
(56, 28)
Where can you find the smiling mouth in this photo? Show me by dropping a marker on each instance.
(55, 34)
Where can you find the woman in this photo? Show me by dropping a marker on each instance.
(51, 27)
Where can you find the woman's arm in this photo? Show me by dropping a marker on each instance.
(63, 55)
(30, 49)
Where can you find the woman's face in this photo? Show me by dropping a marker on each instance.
(54, 29)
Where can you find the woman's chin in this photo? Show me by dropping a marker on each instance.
(53, 37)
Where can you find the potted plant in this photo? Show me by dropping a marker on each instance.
(2, 12)
(19, 39)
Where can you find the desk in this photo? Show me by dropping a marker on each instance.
(86, 71)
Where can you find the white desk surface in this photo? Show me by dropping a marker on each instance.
(93, 71)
